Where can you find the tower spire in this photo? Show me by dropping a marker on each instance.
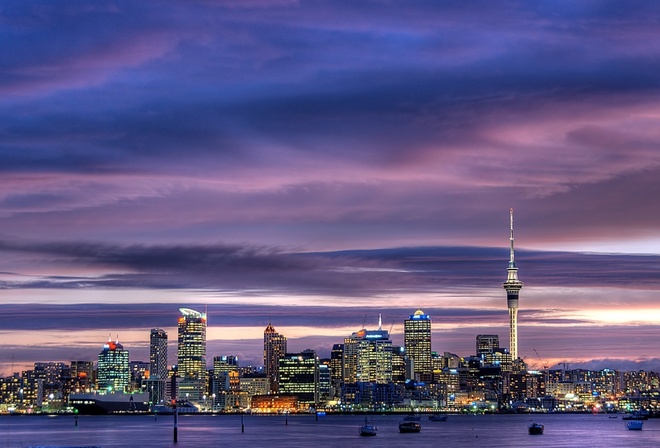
(512, 262)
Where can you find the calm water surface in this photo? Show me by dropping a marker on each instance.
(330, 431)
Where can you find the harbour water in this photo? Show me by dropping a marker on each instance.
(199, 431)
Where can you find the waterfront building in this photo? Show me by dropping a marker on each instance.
(191, 355)
(255, 385)
(113, 373)
(417, 342)
(157, 365)
(299, 376)
(325, 382)
(512, 286)
(225, 379)
(274, 349)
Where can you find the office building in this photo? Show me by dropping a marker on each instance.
(368, 357)
(486, 343)
(113, 373)
(299, 376)
(417, 343)
(191, 355)
(155, 384)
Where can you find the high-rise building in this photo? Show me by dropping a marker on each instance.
(157, 365)
(486, 343)
(274, 349)
(299, 376)
(113, 373)
(158, 354)
(191, 355)
(368, 357)
(512, 286)
(417, 342)
(82, 376)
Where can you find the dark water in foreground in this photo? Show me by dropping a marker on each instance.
(562, 430)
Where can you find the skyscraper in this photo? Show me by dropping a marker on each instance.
(512, 286)
(113, 372)
(299, 376)
(158, 354)
(368, 357)
(191, 354)
(157, 365)
(274, 349)
(417, 342)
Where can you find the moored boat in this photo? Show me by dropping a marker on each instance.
(536, 429)
(410, 427)
(412, 417)
(635, 425)
(368, 429)
(111, 403)
(438, 418)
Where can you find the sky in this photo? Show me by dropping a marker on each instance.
(318, 164)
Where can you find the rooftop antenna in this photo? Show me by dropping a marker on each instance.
(380, 321)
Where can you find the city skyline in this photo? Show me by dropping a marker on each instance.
(315, 165)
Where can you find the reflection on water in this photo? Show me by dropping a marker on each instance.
(198, 431)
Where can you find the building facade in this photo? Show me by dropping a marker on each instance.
(417, 343)
(299, 376)
(113, 372)
(191, 355)
(274, 349)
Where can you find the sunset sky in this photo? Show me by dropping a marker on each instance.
(314, 164)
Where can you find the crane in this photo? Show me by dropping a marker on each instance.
(545, 366)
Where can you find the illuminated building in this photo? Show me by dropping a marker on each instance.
(191, 355)
(486, 343)
(274, 403)
(113, 373)
(82, 375)
(158, 354)
(299, 376)
(225, 380)
(399, 364)
(417, 342)
(368, 357)
(274, 349)
(157, 365)
(512, 287)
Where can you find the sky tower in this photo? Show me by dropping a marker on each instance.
(513, 287)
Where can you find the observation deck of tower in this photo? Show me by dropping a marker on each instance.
(512, 286)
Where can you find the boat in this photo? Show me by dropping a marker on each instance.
(536, 429)
(635, 425)
(412, 418)
(368, 429)
(110, 403)
(438, 418)
(637, 415)
(410, 427)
